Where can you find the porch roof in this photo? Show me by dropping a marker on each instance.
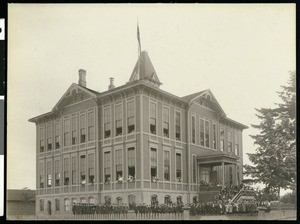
(216, 158)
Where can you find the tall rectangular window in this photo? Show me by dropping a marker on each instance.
(74, 131)
(194, 168)
(166, 165)
(193, 129)
(178, 167)
(118, 162)
(82, 170)
(49, 138)
(202, 132)
(57, 173)
(67, 132)
(222, 139)
(107, 172)
(229, 141)
(130, 117)
(74, 170)
(41, 171)
(49, 177)
(153, 164)
(57, 136)
(57, 204)
(236, 147)
(42, 140)
(107, 126)
(91, 168)
(66, 171)
(207, 133)
(153, 118)
(91, 126)
(82, 128)
(166, 122)
(118, 117)
(177, 126)
(214, 136)
(131, 163)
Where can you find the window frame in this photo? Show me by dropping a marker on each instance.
(151, 126)
(179, 137)
(169, 165)
(165, 108)
(130, 117)
(118, 119)
(107, 133)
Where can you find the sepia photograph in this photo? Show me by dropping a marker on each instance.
(151, 112)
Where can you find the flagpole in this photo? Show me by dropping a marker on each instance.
(139, 48)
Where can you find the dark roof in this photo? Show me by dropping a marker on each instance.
(191, 96)
(93, 91)
(16, 194)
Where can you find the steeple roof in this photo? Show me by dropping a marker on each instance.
(145, 71)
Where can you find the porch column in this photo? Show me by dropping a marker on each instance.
(236, 177)
(223, 174)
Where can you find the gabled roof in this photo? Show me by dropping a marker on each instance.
(144, 69)
(192, 96)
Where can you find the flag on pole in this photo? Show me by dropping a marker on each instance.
(138, 37)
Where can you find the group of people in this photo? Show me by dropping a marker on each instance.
(219, 208)
(86, 208)
(227, 193)
(158, 208)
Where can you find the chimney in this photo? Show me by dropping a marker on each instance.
(111, 85)
(82, 74)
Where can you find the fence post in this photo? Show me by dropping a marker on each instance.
(186, 212)
(261, 212)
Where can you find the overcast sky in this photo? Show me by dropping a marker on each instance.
(242, 53)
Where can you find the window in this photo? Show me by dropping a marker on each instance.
(130, 117)
(57, 204)
(154, 199)
(236, 146)
(131, 163)
(82, 169)
(57, 173)
(91, 126)
(222, 139)
(193, 130)
(107, 167)
(205, 176)
(153, 164)
(238, 174)
(74, 170)
(67, 132)
(119, 201)
(92, 200)
(66, 171)
(49, 179)
(42, 140)
(74, 201)
(167, 199)
(83, 200)
(49, 138)
(131, 200)
(118, 162)
(202, 132)
(57, 136)
(178, 127)
(107, 200)
(195, 200)
(41, 205)
(194, 169)
(178, 167)
(41, 170)
(74, 131)
(214, 136)
(67, 204)
(207, 133)
(153, 118)
(179, 200)
(82, 128)
(107, 123)
(229, 141)
(166, 165)
(91, 168)
(118, 117)
(166, 122)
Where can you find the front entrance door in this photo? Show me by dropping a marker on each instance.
(49, 207)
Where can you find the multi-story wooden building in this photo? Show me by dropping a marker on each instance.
(133, 143)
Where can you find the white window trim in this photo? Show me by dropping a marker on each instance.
(179, 152)
(170, 159)
(119, 103)
(116, 149)
(103, 122)
(156, 115)
(134, 111)
(103, 171)
(157, 164)
(162, 128)
(180, 123)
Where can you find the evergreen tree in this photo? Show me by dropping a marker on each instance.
(274, 162)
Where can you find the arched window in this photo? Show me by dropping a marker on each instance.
(41, 205)
(131, 200)
(119, 201)
(168, 199)
(179, 199)
(82, 200)
(195, 200)
(154, 199)
(67, 204)
(107, 199)
(57, 204)
(92, 200)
